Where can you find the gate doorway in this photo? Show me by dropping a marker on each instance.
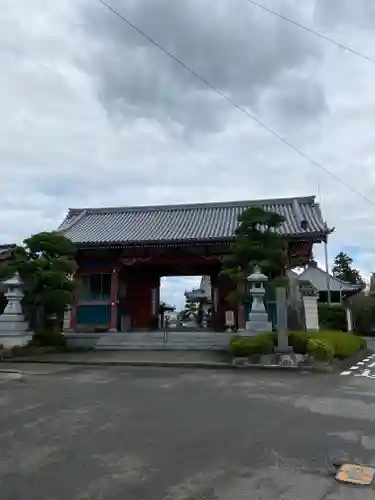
(185, 303)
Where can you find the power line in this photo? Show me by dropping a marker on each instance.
(235, 104)
(312, 32)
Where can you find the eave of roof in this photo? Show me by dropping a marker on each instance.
(336, 284)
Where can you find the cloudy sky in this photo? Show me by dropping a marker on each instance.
(93, 114)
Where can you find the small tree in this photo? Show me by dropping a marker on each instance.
(343, 270)
(190, 310)
(46, 264)
(256, 242)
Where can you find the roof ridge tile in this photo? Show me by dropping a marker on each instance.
(309, 200)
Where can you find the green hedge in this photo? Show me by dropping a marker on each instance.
(263, 343)
(341, 344)
(320, 349)
(344, 344)
(47, 338)
(332, 317)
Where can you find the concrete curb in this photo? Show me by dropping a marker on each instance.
(167, 364)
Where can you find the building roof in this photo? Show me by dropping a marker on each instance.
(5, 250)
(318, 278)
(184, 223)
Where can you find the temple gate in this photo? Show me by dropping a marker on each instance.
(123, 253)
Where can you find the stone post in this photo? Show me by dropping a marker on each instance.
(282, 322)
(114, 300)
(349, 319)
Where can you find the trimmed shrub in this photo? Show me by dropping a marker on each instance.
(298, 340)
(362, 343)
(363, 310)
(344, 344)
(332, 317)
(24, 351)
(48, 338)
(320, 349)
(241, 347)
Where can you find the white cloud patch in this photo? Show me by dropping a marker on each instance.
(92, 114)
(173, 288)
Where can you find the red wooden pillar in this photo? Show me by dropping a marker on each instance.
(241, 317)
(214, 300)
(114, 297)
(73, 312)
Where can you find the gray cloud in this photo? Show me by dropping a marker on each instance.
(238, 49)
(358, 14)
(93, 115)
(295, 101)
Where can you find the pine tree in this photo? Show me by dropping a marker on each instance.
(343, 269)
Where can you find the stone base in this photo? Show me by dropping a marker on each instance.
(9, 340)
(274, 360)
(9, 325)
(258, 317)
(283, 349)
(82, 341)
(254, 328)
(290, 359)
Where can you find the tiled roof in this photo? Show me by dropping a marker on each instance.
(5, 250)
(183, 223)
(318, 278)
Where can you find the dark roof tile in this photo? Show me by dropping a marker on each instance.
(179, 223)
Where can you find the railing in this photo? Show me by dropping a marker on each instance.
(165, 338)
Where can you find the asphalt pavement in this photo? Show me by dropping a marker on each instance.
(117, 433)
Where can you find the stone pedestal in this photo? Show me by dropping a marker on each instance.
(252, 327)
(13, 327)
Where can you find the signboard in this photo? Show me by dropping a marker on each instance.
(229, 318)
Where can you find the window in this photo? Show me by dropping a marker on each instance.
(323, 297)
(335, 297)
(95, 287)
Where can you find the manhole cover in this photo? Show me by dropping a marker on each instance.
(355, 474)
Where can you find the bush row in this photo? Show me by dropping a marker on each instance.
(48, 338)
(322, 345)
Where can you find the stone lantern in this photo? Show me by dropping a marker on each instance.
(13, 327)
(258, 318)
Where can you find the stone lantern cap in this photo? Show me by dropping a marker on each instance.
(14, 281)
(257, 276)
